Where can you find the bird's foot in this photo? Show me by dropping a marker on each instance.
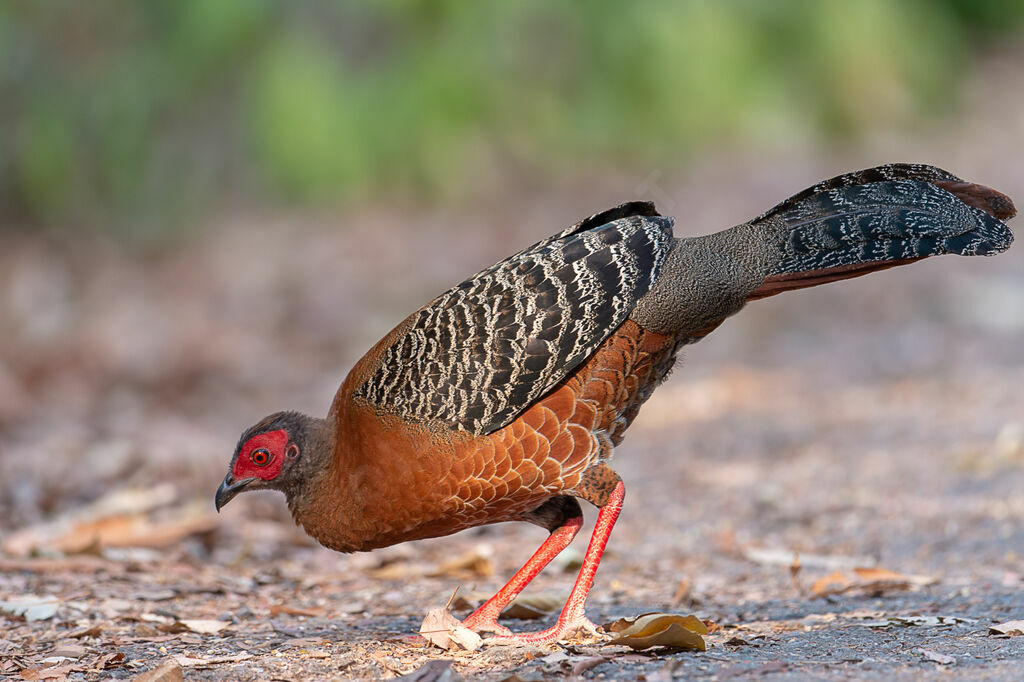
(580, 627)
(481, 623)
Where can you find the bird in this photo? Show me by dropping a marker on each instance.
(504, 398)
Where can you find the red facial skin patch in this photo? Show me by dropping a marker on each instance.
(274, 442)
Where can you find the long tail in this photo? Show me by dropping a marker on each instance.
(840, 228)
(878, 218)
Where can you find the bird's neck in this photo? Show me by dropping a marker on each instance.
(314, 468)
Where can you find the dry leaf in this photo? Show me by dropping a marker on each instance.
(57, 672)
(682, 592)
(31, 607)
(188, 662)
(78, 564)
(204, 627)
(69, 650)
(736, 641)
(396, 570)
(123, 518)
(72, 535)
(154, 618)
(168, 672)
(431, 671)
(444, 630)
(303, 642)
(919, 621)
(936, 657)
(832, 583)
(278, 609)
(527, 607)
(872, 573)
(461, 603)
(1011, 628)
(659, 629)
(57, 669)
(86, 631)
(581, 664)
(881, 578)
(106, 661)
(478, 563)
(871, 580)
(787, 557)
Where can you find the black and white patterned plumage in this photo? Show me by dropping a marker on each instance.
(485, 350)
(884, 221)
(892, 171)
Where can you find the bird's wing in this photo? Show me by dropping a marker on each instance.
(482, 352)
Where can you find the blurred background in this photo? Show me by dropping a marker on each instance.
(209, 210)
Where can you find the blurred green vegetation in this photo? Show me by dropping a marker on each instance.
(139, 115)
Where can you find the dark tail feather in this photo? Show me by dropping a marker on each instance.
(862, 222)
(902, 171)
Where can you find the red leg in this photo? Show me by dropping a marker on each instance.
(572, 618)
(485, 618)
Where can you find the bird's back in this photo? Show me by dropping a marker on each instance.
(514, 387)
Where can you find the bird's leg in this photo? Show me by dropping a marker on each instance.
(485, 618)
(572, 618)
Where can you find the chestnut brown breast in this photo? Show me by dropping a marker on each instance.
(396, 481)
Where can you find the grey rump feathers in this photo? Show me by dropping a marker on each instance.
(484, 351)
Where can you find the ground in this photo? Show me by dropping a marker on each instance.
(877, 423)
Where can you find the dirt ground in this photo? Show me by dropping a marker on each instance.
(873, 424)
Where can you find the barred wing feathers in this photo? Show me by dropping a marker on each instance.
(484, 351)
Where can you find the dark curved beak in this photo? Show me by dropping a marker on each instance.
(229, 488)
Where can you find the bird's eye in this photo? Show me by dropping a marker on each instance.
(260, 457)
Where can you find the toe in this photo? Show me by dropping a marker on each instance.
(581, 628)
(486, 625)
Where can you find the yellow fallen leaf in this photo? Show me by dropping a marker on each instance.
(883, 576)
(868, 580)
(874, 573)
(659, 629)
(831, 584)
